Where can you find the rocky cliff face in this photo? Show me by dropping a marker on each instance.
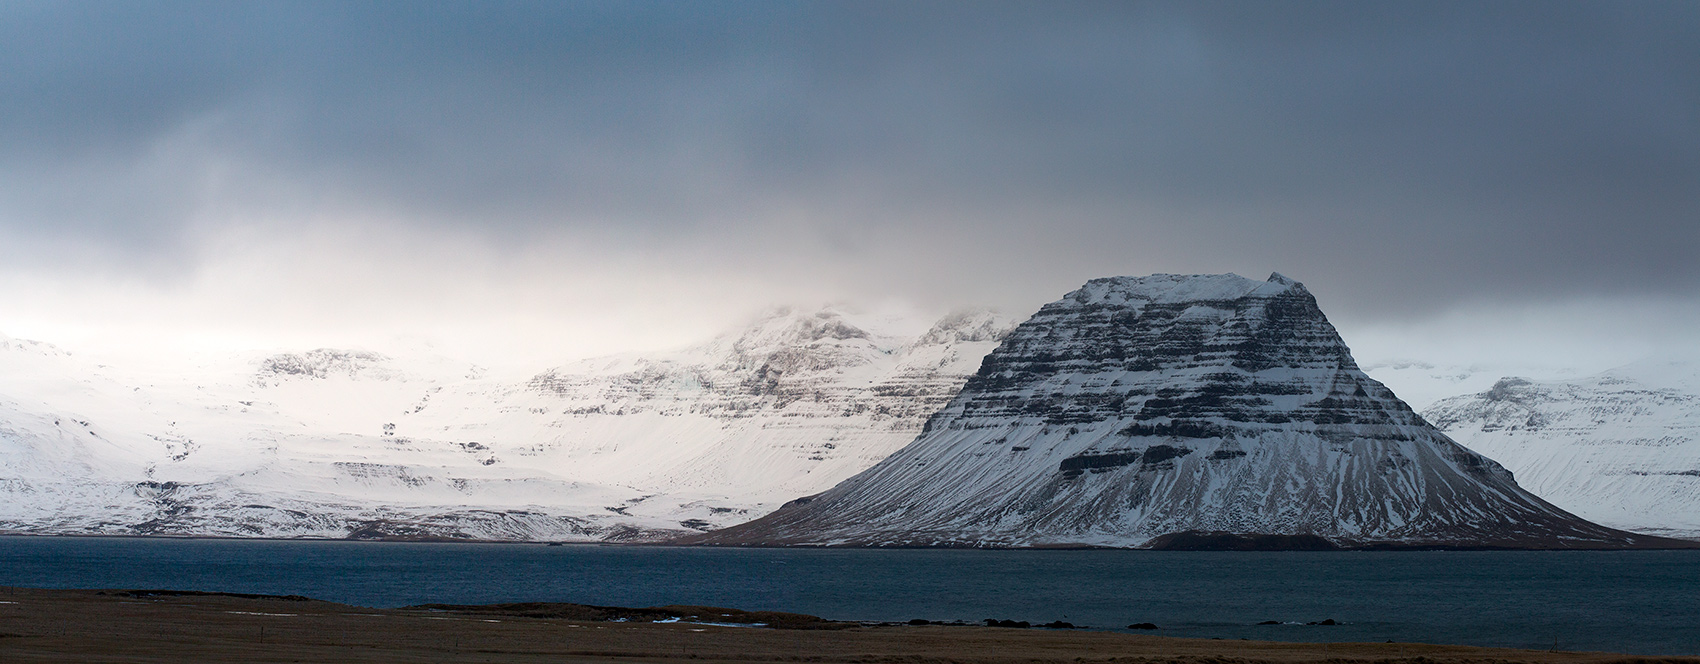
(1621, 448)
(1139, 407)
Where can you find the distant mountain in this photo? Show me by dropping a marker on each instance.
(1420, 384)
(727, 431)
(1177, 411)
(351, 443)
(282, 445)
(1621, 448)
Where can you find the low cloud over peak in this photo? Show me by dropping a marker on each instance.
(1404, 160)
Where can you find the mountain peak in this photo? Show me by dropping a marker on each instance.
(8, 343)
(1137, 407)
(1621, 447)
(972, 325)
(323, 363)
(1176, 288)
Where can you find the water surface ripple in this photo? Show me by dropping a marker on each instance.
(1641, 602)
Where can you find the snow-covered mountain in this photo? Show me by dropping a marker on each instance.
(66, 431)
(1420, 384)
(1621, 448)
(345, 443)
(1135, 408)
(276, 445)
(730, 430)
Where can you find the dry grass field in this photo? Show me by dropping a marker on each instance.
(126, 626)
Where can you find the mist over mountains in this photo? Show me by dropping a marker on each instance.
(412, 444)
(348, 443)
(1135, 410)
(1621, 447)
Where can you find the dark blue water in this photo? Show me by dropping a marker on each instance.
(1643, 602)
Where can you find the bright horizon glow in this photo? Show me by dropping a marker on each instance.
(522, 185)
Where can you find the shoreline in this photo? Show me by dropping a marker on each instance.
(149, 626)
(1680, 544)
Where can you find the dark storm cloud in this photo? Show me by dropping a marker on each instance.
(1398, 156)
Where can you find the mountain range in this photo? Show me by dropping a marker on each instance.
(1621, 448)
(1177, 410)
(348, 443)
(1131, 409)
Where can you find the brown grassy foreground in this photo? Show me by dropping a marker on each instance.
(119, 626)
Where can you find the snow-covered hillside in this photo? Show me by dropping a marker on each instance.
(1621, 448)
(1138, 407)
(340, 443)
(1420, 384)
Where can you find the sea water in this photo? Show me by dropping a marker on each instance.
(1641, 602)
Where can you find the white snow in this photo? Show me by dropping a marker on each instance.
(1137, 407)
(329, 443)
(334, 442)
(1621, 448)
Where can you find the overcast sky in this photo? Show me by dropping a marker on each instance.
(1455, 181)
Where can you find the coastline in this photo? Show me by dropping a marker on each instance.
(1232, 543)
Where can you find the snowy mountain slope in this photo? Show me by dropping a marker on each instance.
(269, 449)
(1138, 407)
(1621, 448)
(1420, 384)
(337, 443)
(69, 435)
(722, 432)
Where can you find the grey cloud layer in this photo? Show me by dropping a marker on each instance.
(1402, 156)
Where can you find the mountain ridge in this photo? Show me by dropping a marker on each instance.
(1621, 447)
(1138, 407)
(353, 443)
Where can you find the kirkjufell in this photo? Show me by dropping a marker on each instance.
(1178, 411)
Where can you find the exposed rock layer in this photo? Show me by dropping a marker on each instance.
(1138, 407)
